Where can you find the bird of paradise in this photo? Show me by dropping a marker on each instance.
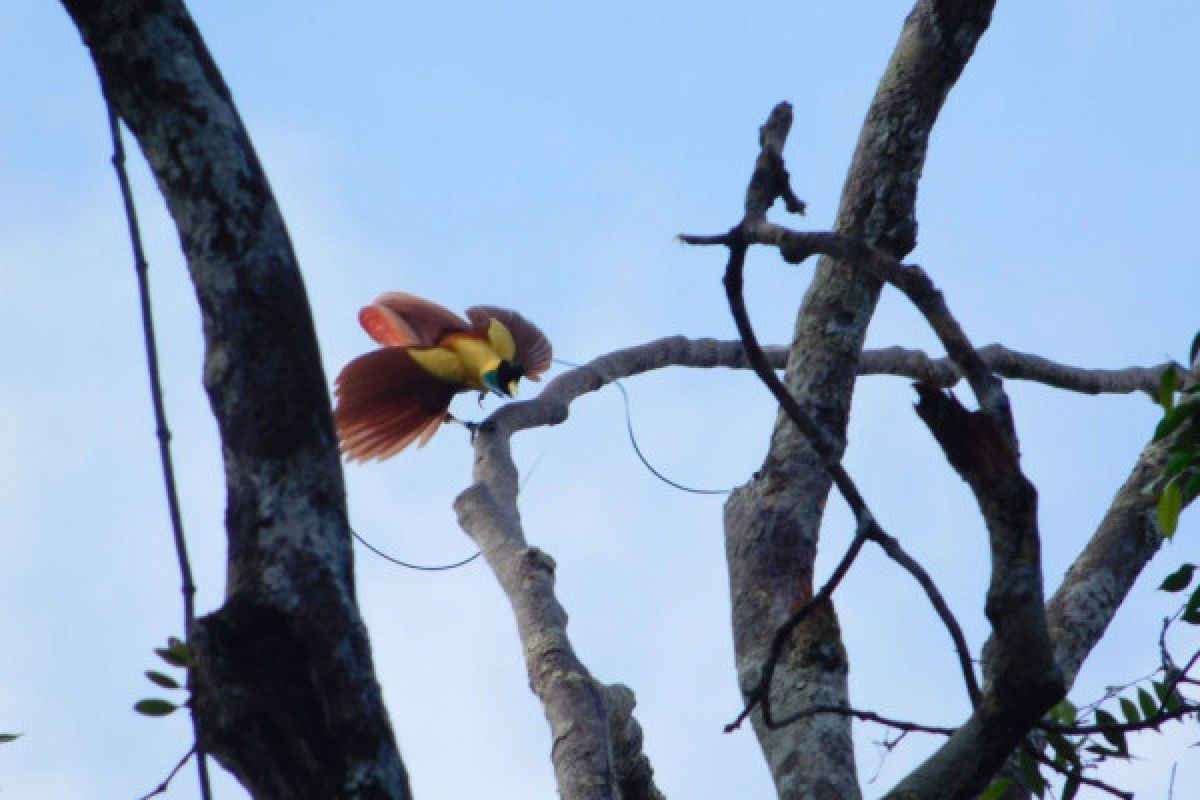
(401, 393)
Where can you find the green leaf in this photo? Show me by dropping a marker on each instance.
(1168, 382)
(1191, 609)
(997, 789)
(1192, 489)
(1171, 420)
(1178, 580)
(1171, 701)
(170, 657)
(1147, 702)
(5, 738)
(1130, 710)
(165, 681)
(176, 653)
(154, 707)
(1111, 732)
(1188, 439)
(1064, 712)
(1064, 750)
(1169, 506)
(1029, 770)
(1179, 462)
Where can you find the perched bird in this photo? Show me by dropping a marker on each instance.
(401, 393)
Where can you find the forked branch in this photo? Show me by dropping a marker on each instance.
(981, 446)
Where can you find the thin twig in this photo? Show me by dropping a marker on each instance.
(758, 695)
(162, 787)
(1170, 685)
(1095, 783)
(869, 716)
(892, 547)
(1153, 721)
(869, 528)
(768, 182)
(142, 268)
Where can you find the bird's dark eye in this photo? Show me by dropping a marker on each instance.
(509, 371)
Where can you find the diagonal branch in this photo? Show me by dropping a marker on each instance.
(1098, 581)
(773, 522)
(770, 179)
(981, 446)
(597, 744)
(869, 528)
(577, 706)
(551, 408)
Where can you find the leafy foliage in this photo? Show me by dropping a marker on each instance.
(1179, 396)
(177, 655)
(1080, 739)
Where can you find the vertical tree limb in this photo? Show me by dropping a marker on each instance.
(772, 522)
(283, 685)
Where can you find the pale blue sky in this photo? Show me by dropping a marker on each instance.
(542, 156)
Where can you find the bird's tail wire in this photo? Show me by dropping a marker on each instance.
(408, 565)
(632, 441)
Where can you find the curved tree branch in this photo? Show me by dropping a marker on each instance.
(981, 446)
(597, 743)
(1008, 363)
(282, 686)
(772, 523)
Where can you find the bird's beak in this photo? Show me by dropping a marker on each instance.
(511, 388)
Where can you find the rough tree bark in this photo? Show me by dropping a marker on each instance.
(283, 684)
(772, 523)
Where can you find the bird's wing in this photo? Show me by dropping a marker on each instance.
(397, 319)
(385, 402)
(533, 348)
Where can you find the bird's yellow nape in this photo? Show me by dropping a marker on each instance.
(501, 340)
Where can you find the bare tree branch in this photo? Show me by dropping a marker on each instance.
(1008, 363)
(770, 179)
(634, 773)
(772, 523)
(981, 446)
(597, 748)
(867, 716)
(1023, 678)
(166, 782)
(941, 372)
(576, 705)
(551, 408)
(282, 685)
(1083, 779)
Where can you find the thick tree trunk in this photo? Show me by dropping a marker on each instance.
(283, 685)
(772, 523)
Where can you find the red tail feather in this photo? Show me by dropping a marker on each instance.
(386, 402)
